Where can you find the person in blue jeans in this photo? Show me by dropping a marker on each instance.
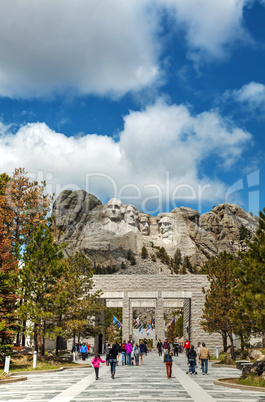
(204, 356)
(128, 349)
(113, 352)
(83, 351)
(123, 352)
(192, 359)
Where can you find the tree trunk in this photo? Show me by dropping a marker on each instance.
(58, 337)
(57, 345)
(43, 338)
(233, 354)
(35, 337)
(263, 339)
(23, 338)
(224, 336)
(74, 338)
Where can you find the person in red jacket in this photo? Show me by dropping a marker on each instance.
(187, 346)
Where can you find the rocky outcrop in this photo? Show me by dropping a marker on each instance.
(105, 233)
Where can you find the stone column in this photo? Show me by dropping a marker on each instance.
(126, 317)
(197, 334)
(131, 319)
(159, 318)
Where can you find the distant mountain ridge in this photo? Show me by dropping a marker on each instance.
(107, 233)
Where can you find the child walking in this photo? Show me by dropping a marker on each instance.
(96, 363)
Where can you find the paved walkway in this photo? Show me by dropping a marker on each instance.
(143, 383)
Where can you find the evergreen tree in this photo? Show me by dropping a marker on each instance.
(220, 302)
(123, 266)
(163, 256)
(144, 253)
(187, 266)
(179, 326)
(251, 273)
(177, 261)
(41, 277)
(78, 307)
(133, 261)
(129, 255)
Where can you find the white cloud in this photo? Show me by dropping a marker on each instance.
(252, 94)
(104, 47)
(210, 26)
(159, 143)
(85, 46)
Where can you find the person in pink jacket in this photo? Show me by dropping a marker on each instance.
(128, 350)
(96, 363)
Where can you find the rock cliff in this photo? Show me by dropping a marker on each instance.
(105, 233)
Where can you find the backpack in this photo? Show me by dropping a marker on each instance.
(168, 358)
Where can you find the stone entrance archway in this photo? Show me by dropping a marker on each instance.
(159, 292)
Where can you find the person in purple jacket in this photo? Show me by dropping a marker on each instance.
(128, 350)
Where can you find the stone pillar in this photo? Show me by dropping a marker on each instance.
(126, 317)
(159, 318)
(197, 334)
(131, 319)
(186, 319)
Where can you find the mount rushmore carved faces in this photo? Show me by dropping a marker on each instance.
(144, 225)
(114, 209)
(165, 227)
(131, 215)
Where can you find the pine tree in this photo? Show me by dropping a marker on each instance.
(251, 273)
(177, 261)
(78, 307)
(40, 281)
(144, 253)
(187, 266)
(220, 301)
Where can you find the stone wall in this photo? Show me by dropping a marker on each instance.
(159, 291)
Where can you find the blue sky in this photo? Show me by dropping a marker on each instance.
(158, 102)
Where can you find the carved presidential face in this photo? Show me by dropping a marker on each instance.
(165, 226)
(131, 215)
(114, 209)
(144, 225)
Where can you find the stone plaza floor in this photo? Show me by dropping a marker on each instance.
(135, 383)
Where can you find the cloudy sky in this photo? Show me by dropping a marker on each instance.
(160, 103)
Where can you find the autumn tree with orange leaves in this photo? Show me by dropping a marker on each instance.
(8, 291)
(23, 206)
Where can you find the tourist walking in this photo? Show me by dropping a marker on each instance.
(83, 351)
(75, 350)
(119, 351)
(123, 352)
(107, 349)
(166, 345)
(187, 346)
(113, 359)
(204, 356)
(199, 346)
(176, 347)
(159, 347)
(143, 351)
(128, 350)
(96, 363)
(192, 360)
(145, 342)
(136, 350)
(168, 361)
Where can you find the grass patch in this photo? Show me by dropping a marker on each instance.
(25, 363)
(252, 380)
